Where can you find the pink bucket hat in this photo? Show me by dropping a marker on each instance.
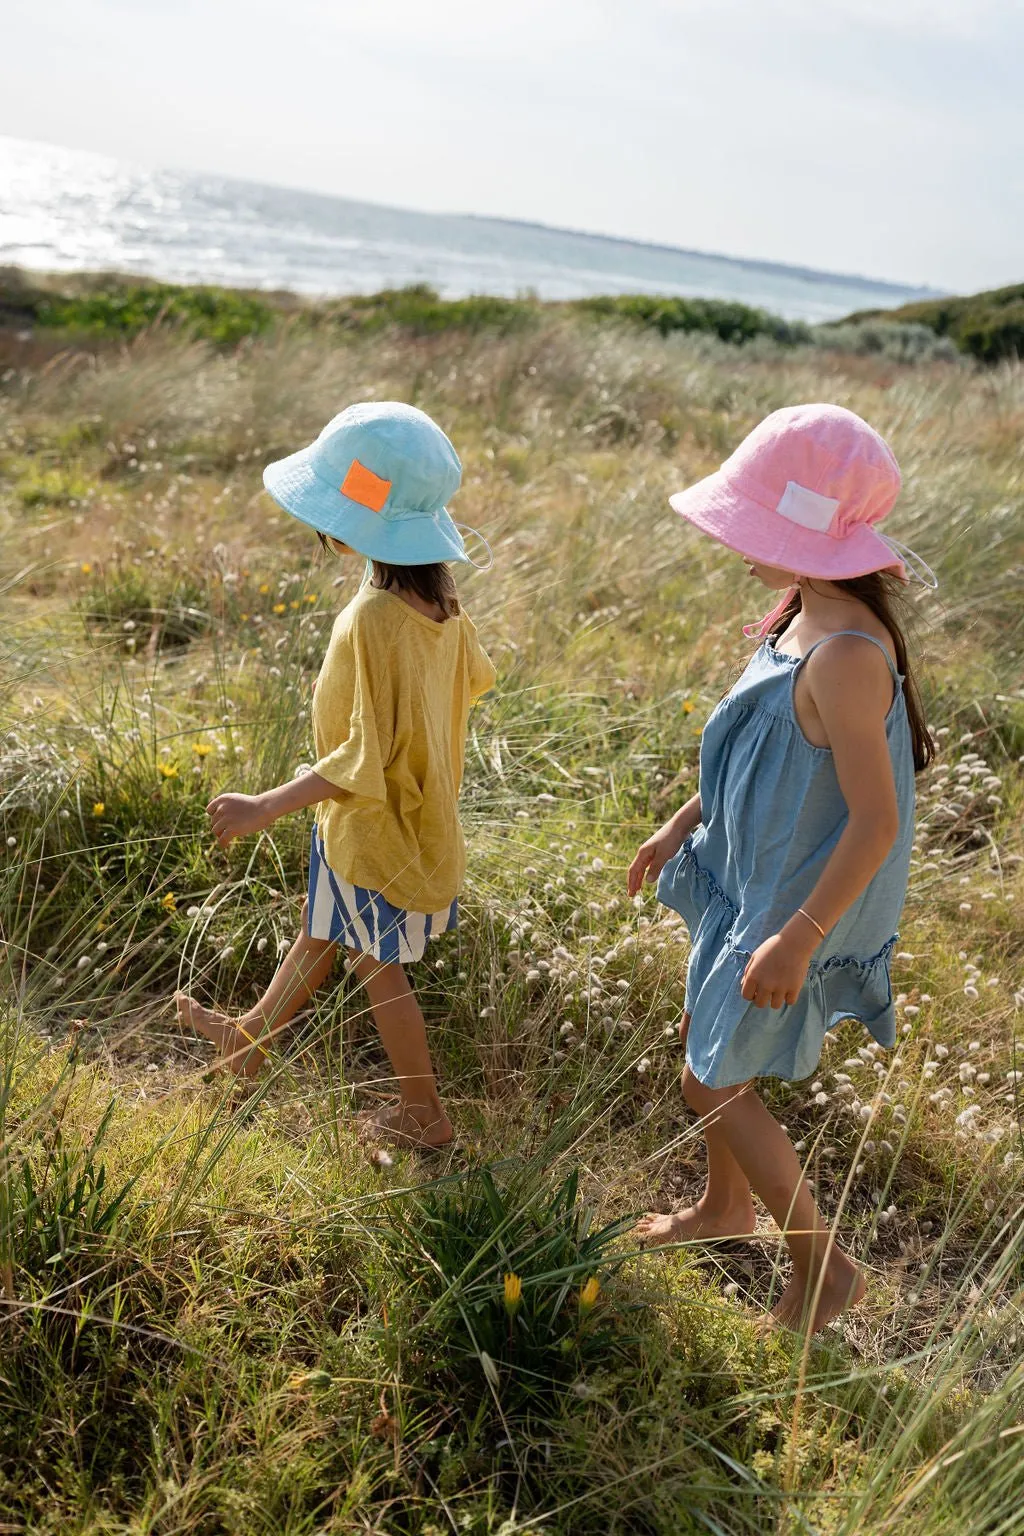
(803, 491)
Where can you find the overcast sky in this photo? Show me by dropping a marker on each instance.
(883, 137)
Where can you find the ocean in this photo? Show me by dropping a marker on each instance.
(64, 210)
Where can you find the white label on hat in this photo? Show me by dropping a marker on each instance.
(807, 508)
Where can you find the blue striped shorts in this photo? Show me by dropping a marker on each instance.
(364, 920)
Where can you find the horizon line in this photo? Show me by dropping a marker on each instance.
(759, 263)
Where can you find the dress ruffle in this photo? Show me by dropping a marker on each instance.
(740, 1041)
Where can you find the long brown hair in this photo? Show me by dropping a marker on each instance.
(431, 583)
(883, 593)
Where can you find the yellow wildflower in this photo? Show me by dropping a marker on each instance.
(201, 748)
(85, 568)
(168, 770)
(168, 902)
(280, 608)
(513, 1292)
(98, 808)
(687, 706)
(264, 588)
(310, 597)
(244, 617)
(589, 1294)
(294, 602)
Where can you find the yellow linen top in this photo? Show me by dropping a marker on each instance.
(389, 720)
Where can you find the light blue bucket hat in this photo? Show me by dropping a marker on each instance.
(378, 478)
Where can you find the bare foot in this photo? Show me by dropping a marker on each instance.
(841, 1287)
(189, 1013)
(694, 1224)
(405, 1125)
(237, 1051)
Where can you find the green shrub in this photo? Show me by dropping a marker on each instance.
(726, 319)
(213, 314)
(993, 332)
(988, 326)
(111, 306)
(420, 310)
(902, 342)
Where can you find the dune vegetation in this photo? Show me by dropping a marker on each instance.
(93, 308)
(988, 326)
(219, 1313)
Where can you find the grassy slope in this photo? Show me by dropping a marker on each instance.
(988, 326)
(222, 1316)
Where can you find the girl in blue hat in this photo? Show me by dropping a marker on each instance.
(390, 708)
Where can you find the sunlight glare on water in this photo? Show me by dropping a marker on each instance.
(65, 210)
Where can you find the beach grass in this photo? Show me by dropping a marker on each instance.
(219, 1312)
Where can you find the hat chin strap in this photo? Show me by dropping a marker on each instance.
(760, 629)
(464, 528)
(917, 569)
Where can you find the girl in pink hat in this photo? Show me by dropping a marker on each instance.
(790, 864)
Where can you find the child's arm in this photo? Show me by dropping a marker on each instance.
(237, 815)
(653, 855)
(852, 692)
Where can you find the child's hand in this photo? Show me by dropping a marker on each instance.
(776, 971)
(652, 856)
(238, 815)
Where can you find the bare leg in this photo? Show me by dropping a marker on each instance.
(725, 1209)
(418, 1118)
(241, 1042)
(825, 1282)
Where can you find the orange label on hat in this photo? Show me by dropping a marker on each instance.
(363, 486)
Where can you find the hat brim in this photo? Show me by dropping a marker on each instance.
(717, 508)
(397, 538)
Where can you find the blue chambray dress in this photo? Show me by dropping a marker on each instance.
(772, 813)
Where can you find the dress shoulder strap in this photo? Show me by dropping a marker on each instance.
(861, 635)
